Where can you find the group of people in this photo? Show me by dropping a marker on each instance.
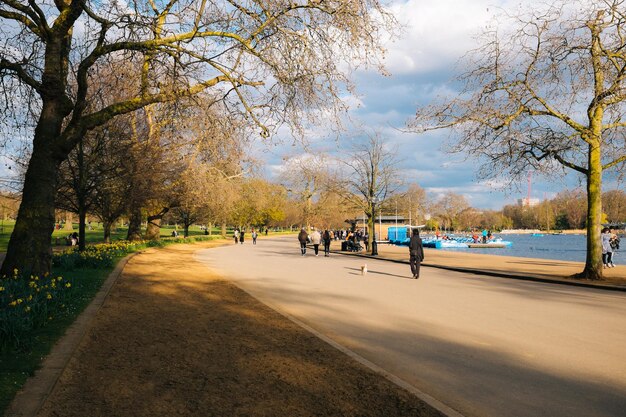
(316, 238)
(610, 244)
(240, 235)
(416, 249)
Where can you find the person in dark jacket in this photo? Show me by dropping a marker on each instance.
(416, 253)
(303, 237)
(326, 240)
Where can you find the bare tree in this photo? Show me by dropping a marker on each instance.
(276, 60)
(411, 203)
(370, 177)
(547, 91)
(448, 209)
(306, 178)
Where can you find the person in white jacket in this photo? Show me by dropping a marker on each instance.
(316, 239)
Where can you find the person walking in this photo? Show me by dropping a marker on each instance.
(254, 236)
(236, 236)
(242, 235)
(614, 242)
(607, 250)
(303, 238)
(416, 253)
(316, 239)
(366, 241)
(326, 238)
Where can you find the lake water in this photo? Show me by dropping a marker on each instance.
(560, 247)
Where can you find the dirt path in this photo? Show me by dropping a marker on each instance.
(174, 340)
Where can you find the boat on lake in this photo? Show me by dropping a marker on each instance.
(401, 236)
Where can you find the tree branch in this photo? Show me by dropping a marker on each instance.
(615, 162)
(21, 74)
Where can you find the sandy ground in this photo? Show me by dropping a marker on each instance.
(174, 340)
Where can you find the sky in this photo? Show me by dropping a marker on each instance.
(422, 65)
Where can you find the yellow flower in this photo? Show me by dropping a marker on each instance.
(15, 271)
(68, 285)
(1, 289)
(27, 309)
(20, 301)
(12, 303)
(30, 298)
(49, 296)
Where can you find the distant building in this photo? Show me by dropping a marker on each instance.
(528, 202)
(381, 224)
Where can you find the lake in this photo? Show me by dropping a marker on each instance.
(561, 247)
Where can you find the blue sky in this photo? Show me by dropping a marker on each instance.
(422, 65)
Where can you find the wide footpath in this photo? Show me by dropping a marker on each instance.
(168, 337)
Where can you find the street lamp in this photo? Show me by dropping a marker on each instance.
(374, 244)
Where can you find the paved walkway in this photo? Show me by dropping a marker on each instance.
(38, 390)
(485, 346)
(173, 339)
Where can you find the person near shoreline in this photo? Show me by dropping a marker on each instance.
(614, 242)
(326, 238)
(303, 238)
(316, 239)
(416, 253)
(607, 250)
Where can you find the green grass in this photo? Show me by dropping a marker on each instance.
(17, 365)
(96, 234)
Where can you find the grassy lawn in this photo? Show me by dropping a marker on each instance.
(15, 365)
(95, 235)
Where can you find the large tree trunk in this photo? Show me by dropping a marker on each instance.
(30, 246)
(153, 230)
(593, 263)
(107, 231)
(69, 220)
(134, 225)
(82, 215)
(224, 230)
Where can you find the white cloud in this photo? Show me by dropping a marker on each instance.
(436, 34)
